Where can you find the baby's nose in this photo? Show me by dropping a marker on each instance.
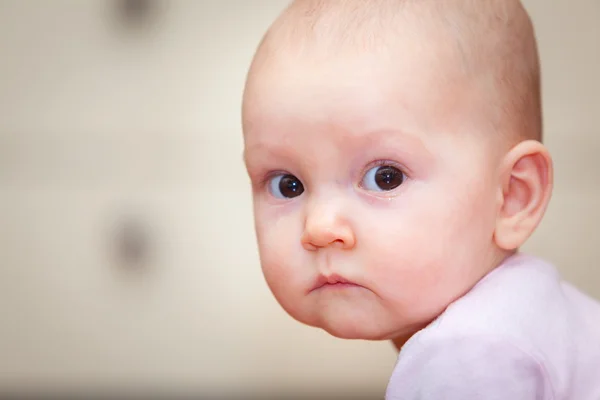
(326, 226)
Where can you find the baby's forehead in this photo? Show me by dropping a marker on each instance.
(367, 91)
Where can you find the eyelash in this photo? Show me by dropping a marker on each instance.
(264, 182)
(384, 163)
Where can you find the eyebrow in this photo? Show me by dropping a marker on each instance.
(394, 138)
(388, 138)
(249, 152)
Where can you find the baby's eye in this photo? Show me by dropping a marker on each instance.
(285, 186)
(383, 178)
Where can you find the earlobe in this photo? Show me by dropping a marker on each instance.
(526, 179)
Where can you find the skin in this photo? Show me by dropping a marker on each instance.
(345, 255)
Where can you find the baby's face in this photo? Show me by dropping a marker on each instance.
(375, 201)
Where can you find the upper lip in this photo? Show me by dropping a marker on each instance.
(331, 279)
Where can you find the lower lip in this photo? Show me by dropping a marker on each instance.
(339, 285)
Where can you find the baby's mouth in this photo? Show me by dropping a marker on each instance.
(333, 281)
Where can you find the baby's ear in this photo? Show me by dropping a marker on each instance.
(527, 178)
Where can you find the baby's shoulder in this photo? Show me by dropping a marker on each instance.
(472, 365)
(522, 314)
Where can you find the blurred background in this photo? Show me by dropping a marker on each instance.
(127, 254)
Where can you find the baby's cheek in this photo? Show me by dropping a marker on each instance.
(278, 273)
(410, 286)
(409, 257)
(279, 253)
(274, 252)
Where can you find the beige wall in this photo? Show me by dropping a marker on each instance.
(97, 123)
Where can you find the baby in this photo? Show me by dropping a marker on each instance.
(394, 149)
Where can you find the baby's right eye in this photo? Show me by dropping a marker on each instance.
(383, 178)
(285, 186)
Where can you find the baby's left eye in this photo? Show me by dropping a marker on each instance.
(383, 178)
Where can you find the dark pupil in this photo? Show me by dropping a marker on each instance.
(388, 178)
(290, 186)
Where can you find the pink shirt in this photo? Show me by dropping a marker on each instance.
(521, 333)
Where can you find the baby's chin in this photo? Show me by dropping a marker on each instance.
(354, 325)
(355, 333)
(353, 315)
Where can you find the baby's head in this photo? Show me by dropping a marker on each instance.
(395, 157)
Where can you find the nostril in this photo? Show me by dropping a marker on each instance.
(309, 246)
